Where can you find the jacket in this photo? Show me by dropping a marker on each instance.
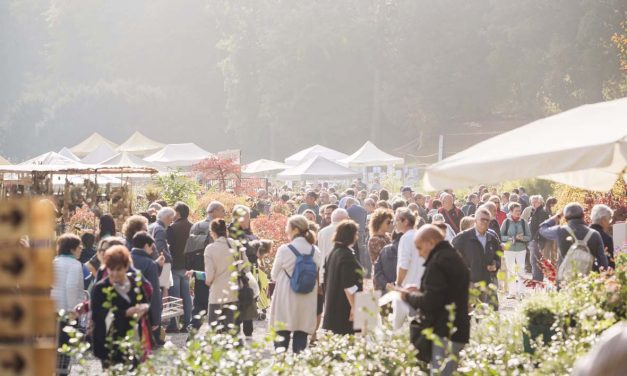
(196, 260)
(446, 280)
(511, 228)
(608, 244)
(385, 265)
(452, 217)
(177, 235)
(143, 262)
(538, 216)
(158, 232)
(476, 257)
(469, 209)
(219, 264)
(552, 231)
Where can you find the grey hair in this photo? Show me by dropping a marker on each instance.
(213, 205)
(599, 212)
(155, 205)
(165, 212)
(483, 210)
(437, 218)
(339, 215)
(536, 197)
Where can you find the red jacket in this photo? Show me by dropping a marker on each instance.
(500, 216)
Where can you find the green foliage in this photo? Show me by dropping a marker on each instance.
(176, 186)
(532, 186)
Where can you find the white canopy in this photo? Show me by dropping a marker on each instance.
(318, 168)
(125, 159)
(99, 154)
(68, 154)
(314, 151)
(51, 158)
(4, 162)
(179, 155)
(90, 144)
(585, 147)
(370, 155)
(263, 166)
(139, 144)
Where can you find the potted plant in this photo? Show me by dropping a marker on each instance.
(540, 316)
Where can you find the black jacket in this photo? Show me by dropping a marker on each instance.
(178, 233)
(538, 216)
(469, 209)
(150, 271)
(385, 266)
(608, 244)
(475, 256)
(446, 280)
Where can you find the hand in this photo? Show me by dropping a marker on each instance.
(189, 273)
(138, 310)
(161, 260)
(492, 268)
(519, 237)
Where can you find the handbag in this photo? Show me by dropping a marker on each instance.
(420, 341)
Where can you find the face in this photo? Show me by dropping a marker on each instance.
(482, 222)
(420, 200)
(117, 275)
(77, 251)
(149, 248)
(447, 201)
(400, 223)
(407, 195)
(310, 216)
(177, 216)
(218, 213)
(327, 215)
(516, 212)
(496, 202)
(387, 225)
(536, 203)
(324, 198)
(606, 222)
(310, 200)
(424, 246)
(168, 220)
(244, 221)
(290, 232)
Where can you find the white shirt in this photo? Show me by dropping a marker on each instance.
(325, 244)
(409, 259)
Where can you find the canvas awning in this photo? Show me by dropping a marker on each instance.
(76, 169)
(263, 167)
(51, 158)
(178, 155)
(370, 155)
(317, 168)
(585, 147)
(90, 144)
(125, 159)
(139, 144)
(314, 151)
(99, 154)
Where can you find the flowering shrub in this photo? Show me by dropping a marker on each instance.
(83, 219)
(229, 200)
(270, 227)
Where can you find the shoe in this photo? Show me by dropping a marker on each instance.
(183, 330)
(171, 330)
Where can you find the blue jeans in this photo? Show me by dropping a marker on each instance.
(180, 289)
(536, 270)
(299, 340)
(449, 352)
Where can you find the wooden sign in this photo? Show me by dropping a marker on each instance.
(26, 316)
(14, 219)
(26, 268)
(26, 360)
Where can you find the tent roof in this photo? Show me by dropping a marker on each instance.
(90, 143)
(125, 159)
(179, 155)
(263, 166)
(68, 154)
(99, 154)
(4, 162)
(51, 158)
(370, 155)
(139, 144)
(318, 168)
(78, 169)
(314, 151)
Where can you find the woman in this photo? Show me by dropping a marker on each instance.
(380, 228)
(67, 290)
(342, 280)
(516, 233)
(94, 264)
(466, 223)
(293, 315)
(223, 289)
(384, 195)
(106, 227)
(118, 303)
(310, 215)
(133, 225)
(601, 216)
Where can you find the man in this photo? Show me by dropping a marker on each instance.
(479, 246)
(349, 193)
(452, 215)
(444, 283)
(360, 185)
(158, 231)
(324, 198)
(376, 186)
(369, 205)
(325, 236)
(410, 266)
(421, 201)
(573, 213)
(141, 254)
(524, 198)
(408, 194)
(537, 216)
(310, 203)
(471, 205)
(196, 261)
(360, 216)
(505, 202)
(178, 233)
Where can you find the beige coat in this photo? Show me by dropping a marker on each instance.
(220, 271)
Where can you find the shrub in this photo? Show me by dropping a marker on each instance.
(229, 200)
(176, 186)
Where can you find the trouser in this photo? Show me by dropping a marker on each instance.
(536, 269)
(515, 261)
(449, 353)
(180, 289)
(364, 257)
(299, 340)
(201, 302)
(222, 317)
(247, 327)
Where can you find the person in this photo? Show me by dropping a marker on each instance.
(563, 235)
(158, 231)
(310, 215)
(310, 203)
(67, 289)
(385, 264)
(478, 246)
(376, 186)
(118, 304)
(471, 205)
(343, 280)
(106, 227)
(223, 291)
(607, 355)
(537, 243)
(358, 214)
(95, 264)
(87, 239)
(435, 207)
(177, 236)
(505, 202)
(494, 224)
(195, 260)
(550, 204)
(421, 201)
(369, 205)
(444, 283)
(499, 215)
(141, 257)
(133, 225)
(601, 216)
(325, 199)
(293, 315)
(515, 232)
(327, 210)
(439, 220)
(452, 215)
(466, 223)
(523, 197)
(384, 195)
(380, 228)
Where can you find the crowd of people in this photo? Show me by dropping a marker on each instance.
(429, 249)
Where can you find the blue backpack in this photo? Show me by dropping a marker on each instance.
(305, 275)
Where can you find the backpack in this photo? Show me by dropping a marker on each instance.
(524, 226)
(578, 259)
(303, 279)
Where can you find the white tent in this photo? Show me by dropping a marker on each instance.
(314, 151)
(317, 168)
(585, 147)
(139, 144)
(51, 158)
(178, 155)
(99, 154)
(263, 167)
(4, 162)
(125, 159)
(370, 155)
(90, 144)
(68, 154)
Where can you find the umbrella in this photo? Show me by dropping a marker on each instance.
(585, 147)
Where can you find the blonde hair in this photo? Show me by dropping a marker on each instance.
(300, 223)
